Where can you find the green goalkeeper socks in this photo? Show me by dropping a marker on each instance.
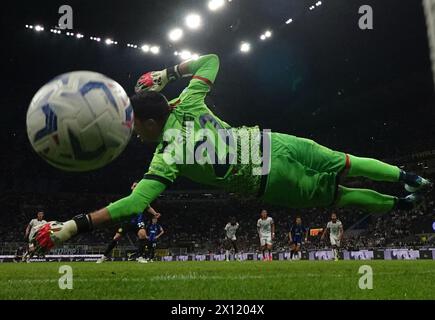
(373, 169)
(365, 199)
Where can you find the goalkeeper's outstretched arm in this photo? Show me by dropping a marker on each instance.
(140, 198)
(202, 70)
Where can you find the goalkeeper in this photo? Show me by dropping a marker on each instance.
(295, 172)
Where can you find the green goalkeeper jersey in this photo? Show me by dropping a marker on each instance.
(198, 145)
(278, 168)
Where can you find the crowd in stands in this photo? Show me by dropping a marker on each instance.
(195, 221)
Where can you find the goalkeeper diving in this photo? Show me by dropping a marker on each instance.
(288, 171)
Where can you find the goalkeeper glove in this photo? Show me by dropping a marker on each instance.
(157, 80)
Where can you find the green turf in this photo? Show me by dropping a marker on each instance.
(220, 280)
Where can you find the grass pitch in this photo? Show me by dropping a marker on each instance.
(220, 280)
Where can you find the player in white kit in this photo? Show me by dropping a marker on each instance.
(31, 229)
(335, 230)
(230, 238)
(266, 233)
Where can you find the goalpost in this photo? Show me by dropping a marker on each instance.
(429, 9)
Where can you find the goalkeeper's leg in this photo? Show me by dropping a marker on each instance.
(380, 171)
(374, 201)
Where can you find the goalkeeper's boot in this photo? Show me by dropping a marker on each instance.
(102, 259)
(415, 183)
(410, 202)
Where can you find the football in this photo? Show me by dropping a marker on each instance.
(80, 121)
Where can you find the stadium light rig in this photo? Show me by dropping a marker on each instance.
(145, 48)
(266, 35)
(39, 28)
(193, 21)
(155, 50)
(289, 21)
(109, 42)
(185, 55)
(175, 34)
(214, 5)
(245, 47)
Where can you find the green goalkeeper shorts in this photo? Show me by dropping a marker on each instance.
(302, 173)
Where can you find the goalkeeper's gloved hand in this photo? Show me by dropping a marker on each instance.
(52, 234)
(157, 80)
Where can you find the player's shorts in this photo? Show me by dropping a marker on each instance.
(297, 241)
(265, 239)
(334, 241)
(230, 243)
(302, 173)
(134, 225)
(31, 235)
(152, 243)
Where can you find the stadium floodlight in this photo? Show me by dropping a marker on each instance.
(185, 55)
(39, 28)
(318, 3)
(193, 21)
(79, 36)
(108, 42)
(195, 56)
(27, 26)
(268, 34)
(214, 5)
(175, 34)
(176, 53)
(145, 48)
(289, 21)
(263, 37)
(155, 49)
(245, 47)
(312, 7)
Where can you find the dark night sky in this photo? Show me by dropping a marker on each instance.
(366, 92)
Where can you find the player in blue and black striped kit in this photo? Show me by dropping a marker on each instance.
(298, 234)
(153, 232)
(136, 225)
